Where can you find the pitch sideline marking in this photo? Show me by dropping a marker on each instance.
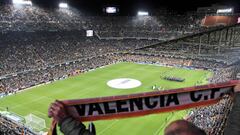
(108, 127)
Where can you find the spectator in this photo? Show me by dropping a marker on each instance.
(67, 124)
(182, 127)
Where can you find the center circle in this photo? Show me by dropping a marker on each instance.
(124, 83)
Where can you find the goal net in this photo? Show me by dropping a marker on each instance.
(34, 122)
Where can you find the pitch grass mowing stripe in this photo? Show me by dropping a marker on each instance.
(93, 84)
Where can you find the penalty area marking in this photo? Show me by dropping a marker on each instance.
(124, 83)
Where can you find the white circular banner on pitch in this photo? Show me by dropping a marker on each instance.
(124, 83)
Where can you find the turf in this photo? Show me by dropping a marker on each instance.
(93, 84)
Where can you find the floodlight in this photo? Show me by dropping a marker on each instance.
(227, 10)
(239, 22)
(142, 13)
(63, 5)
(111, 10)
(22, 2)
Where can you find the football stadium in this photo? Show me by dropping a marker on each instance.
(110, 68)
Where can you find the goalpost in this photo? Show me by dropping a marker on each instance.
(35, 123)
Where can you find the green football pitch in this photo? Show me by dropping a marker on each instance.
(94, 84)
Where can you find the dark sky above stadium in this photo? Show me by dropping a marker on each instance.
(130, 7)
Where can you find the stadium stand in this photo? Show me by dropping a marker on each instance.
(233, 120)
(39, 46)
(10, 127)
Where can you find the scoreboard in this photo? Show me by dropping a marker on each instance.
(89, 33)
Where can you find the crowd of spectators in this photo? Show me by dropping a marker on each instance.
(212, 119)
(39, 45)
(20, 78)
(51, 73)
(10, 127)
(32, 18)
(35, 50)
(163, 26)
(226, 56)
(169, 59)
(56, 72)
